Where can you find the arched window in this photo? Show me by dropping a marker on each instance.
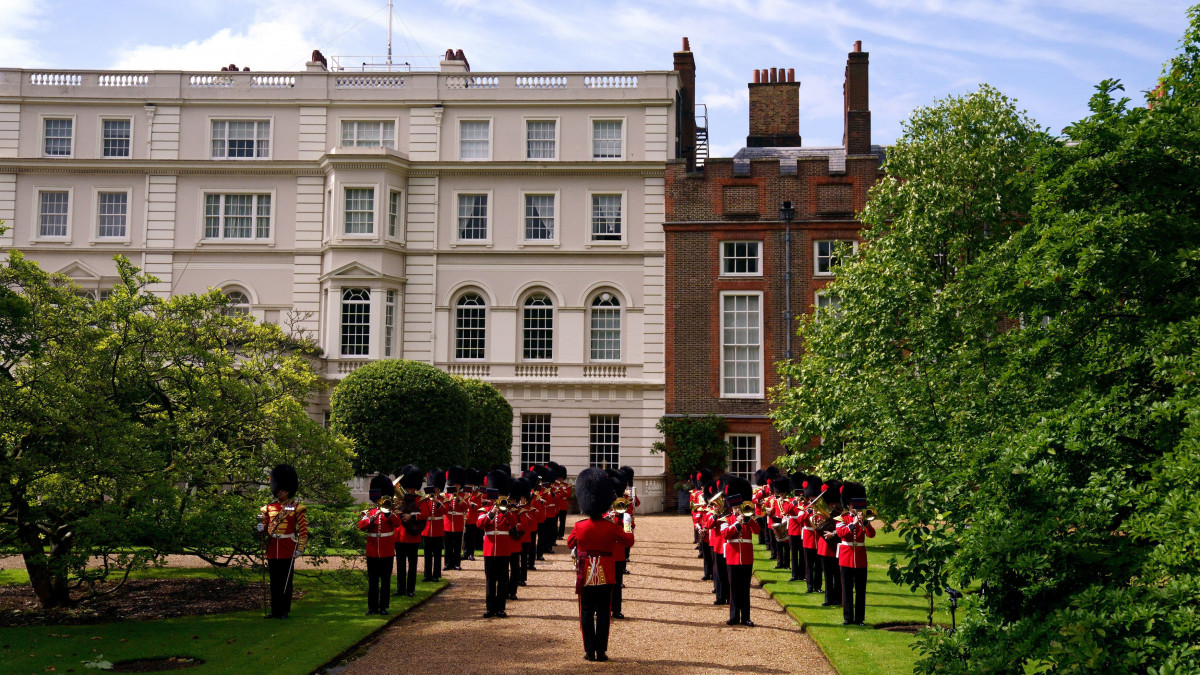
(239, 303)
(356, 321)
(605, 328)
(470, 327)
(538, 327)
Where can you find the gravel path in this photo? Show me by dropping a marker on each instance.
(672, 625)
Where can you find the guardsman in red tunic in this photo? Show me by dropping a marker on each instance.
(634, 503)
(533, 520)
(518, 493)
(854, 529)
(496, 520)
(738, 530)
(781, 500)
(414, 510)
(380, 523)
(761, 491)
(434, 535)
(454, 521)
(827, 543)
(620, 556)
(695, 501)
(794, 511)
(563, 497)
(594, 543)
(284, 527)
(472, 536)
(716, 539)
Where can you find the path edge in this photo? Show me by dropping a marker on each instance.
(770, 591)
(374, 635)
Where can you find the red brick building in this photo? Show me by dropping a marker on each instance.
(726, 283)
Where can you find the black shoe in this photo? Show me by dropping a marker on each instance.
(268, 615)
(601, 656)
(618, 615)
(427, 579)
(502, 614)
(748, 623)
(847, 623)
(830, 604)
(861, 623)
(382, 612)
(412, 595)
(512, 597)
(488, 615)
(370, 612)
(532, 568)
(795, 579)
(282, 616)
(522, 583)
(731, 622)
(717, 601)
(622, 585)
(705, 578)
(398, 594)
(541, 559)
(589, 657)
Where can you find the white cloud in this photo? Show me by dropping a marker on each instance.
(17, 19)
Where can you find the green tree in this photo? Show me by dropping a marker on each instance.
(138, 426)
(692, 443)
(490, 431)
(400, 412)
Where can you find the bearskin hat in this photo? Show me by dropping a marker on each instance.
(737, 486)
(627, 472)
(283, 477)
(773, 471)
(545, 473)
(796, 482)
(532, 477)
(780, 485)
(381, 486)
(503, 467)
(833, 492)
(436, 478)
(594, 490)
(557, 471)
(812, 486)
(702, 478)
(618, 481)
(412, 478)
(852, 491)
(519, 488)
(475, 477)
(760, 477)
(456, 475)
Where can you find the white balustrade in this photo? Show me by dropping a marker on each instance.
(210, 81)
(536, 370)
(56, 79)
(273, 81)
(469, 369)
(541, 82)
(605, 370)
(369, 82)
(123, 80)
(610, 81)
(472, 82)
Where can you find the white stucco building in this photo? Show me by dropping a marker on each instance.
(505, 226)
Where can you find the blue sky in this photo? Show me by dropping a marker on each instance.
(1048, 54)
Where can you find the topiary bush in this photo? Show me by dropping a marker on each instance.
(400, 412)
(490, 434)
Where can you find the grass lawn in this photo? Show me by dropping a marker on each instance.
(326, 622)
(851, 649)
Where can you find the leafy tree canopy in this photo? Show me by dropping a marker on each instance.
(692, 443)
(490, 431)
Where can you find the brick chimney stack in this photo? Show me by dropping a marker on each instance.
(685, 108)
(774, 109)
(857, 134)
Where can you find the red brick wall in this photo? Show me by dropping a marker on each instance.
(775, 109)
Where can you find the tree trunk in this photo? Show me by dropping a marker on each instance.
(50, 587)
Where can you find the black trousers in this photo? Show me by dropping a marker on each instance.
(833, 585)
(562, 524)
(773, 544)
(739, 592)
(515, 574)
(797, 546)
(433, 557)
(783, 553)
(406, 568)
(469, 544)
(594, 615)
(813, 562)
(707, 553)
(546, 535)
(616, 588)
(379, 583)
(854, 593)
(763, 530)
(280, 570)
(720, 578)
(454, 543)
(528, 553)
(495, 571)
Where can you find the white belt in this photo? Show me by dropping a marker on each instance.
(495, 533)
(851, 543)
(739, 541)
(810, 529)
(376, 535)
(456, 513)
(284, 536)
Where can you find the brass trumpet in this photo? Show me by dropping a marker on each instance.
(501, 504)
(620, 505)
(387, 504)
(746, 510)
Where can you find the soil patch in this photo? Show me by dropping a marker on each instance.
(155, 665)
(138, 599)
(910, 628)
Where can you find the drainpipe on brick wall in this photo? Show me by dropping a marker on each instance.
(786, 214)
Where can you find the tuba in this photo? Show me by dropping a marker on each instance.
(717, 504)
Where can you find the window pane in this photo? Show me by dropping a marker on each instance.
(116, 138)
(53, 214)
(604, 446)
(369, 134)
(740, 345)
(356, 321)
(360, 210)
(389, 322)
(473, 136)
(262, 226)
(606, 328)
(539, 139)
(472, 217)
(740, 257)
(241, 139)
(237, 220)
(239, 303)
(743, 455)
(470, 327)
(539, 216)
(535, 439)
(58, 137)
(538, 328)
(111, 213)
(393, 212)
(606, 217)
(606, 139)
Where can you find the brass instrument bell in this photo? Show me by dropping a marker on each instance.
(746, 510)
(620, 505)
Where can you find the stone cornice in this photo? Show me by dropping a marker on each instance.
(328, 162)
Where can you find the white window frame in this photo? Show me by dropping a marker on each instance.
(589, 239)
(232, 308)
(267, 241)
(552, 241)
(487, 315)
(817, 256)
(371, 304)
(270, 120)
(367, 120)
(621, 325)
(399, 224)
(591, 433)
(486, 241)
(42, 135)
(100, 135)
(555, 328)
(391, 308)
(591, 152)
(724, 257)
(375, 210)
(526, 459)
(762, 348)
(95, 232)
(556, 141)
(36, 210)
(459, 139)
(757, 453)
(818, 295)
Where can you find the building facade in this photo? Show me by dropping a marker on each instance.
(727, 273)
(503, 226)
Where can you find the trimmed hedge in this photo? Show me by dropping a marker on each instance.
(490, 434)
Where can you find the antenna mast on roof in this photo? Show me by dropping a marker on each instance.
(389, 54)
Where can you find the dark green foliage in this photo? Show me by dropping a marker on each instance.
(490, 435)
(692, 443)
(402, 412)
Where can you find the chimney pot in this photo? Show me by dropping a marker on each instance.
(791, 74)
(686, 47)
(757, 75)
(774, 75)
(858, 45)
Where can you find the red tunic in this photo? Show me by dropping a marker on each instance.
(381, 532)
(457, 510)
(852, 551)
(715, 538)
(808, 535)
(495, 526)
(474, 500)
(795, 518)
(596, 543)
(826, 544)
(422, 513)
(549, 506)
(562, 498)
(739, 540)
(437, 511)
(528, 523)
(285, 527)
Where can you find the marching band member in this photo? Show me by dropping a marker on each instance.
(284, 526)
(795, 526)
(549, 509)
(827, 543)
(634, 502)
(738, 530)
(761, 492)
(780, 501)
(716, 540)
(695, 501)
(472, 535)
(458, 507)
(564, 497)
(852, 553)
(594, 542)
(496, 520)
(414, 511)
(433, 536)
(704, 483)
(812, 561)
(518, 493)
(380, 523)
(769, 507)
